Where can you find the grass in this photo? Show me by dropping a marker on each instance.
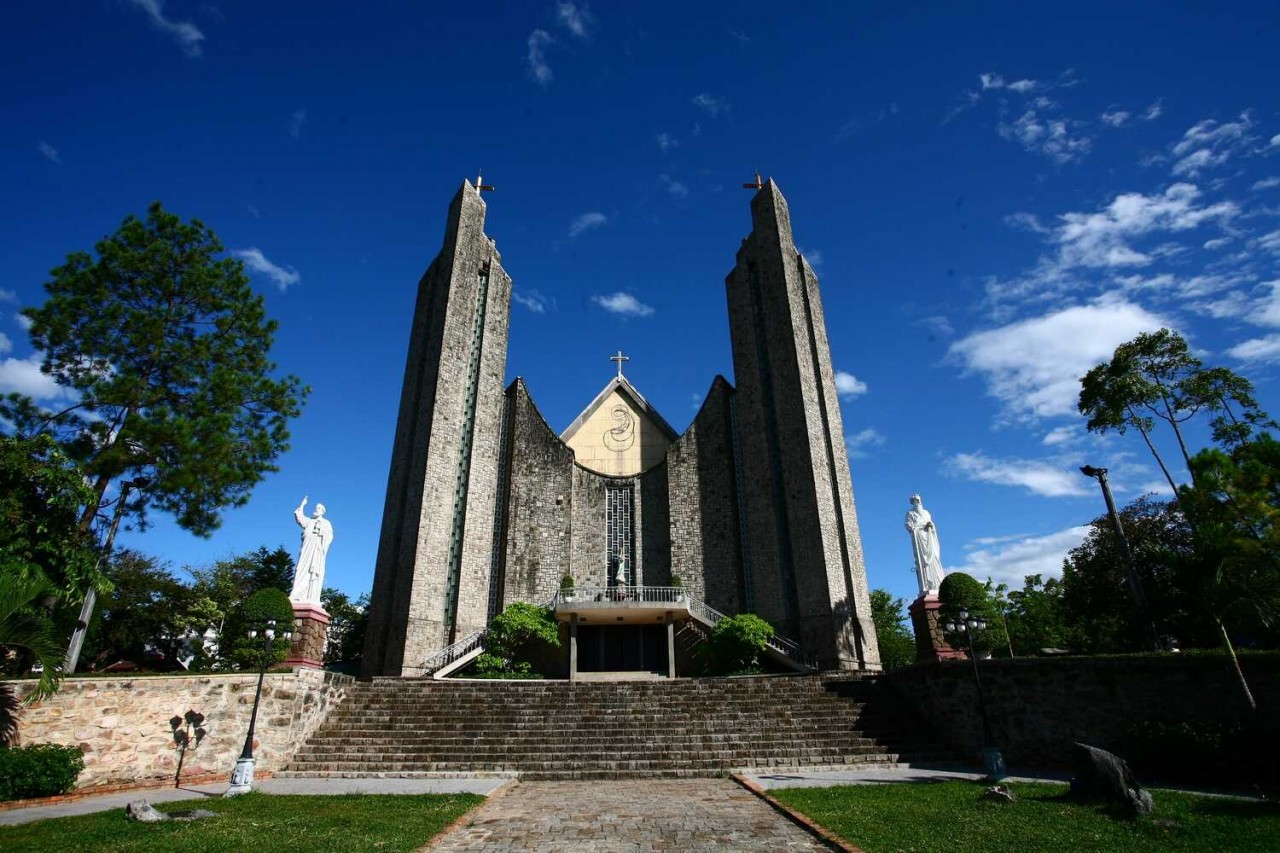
(950, 817)
(350, 823)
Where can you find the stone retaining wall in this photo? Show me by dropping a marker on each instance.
(1039, 706)
(122, 724)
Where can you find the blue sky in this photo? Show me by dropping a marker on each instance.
(994, 196)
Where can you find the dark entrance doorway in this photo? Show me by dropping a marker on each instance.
(622, 648)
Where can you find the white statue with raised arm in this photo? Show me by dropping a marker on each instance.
(317, 536)
(924, 542)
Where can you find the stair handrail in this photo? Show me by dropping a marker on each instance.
(450, 653)
(709, 615)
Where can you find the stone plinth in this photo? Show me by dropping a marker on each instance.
(310, 628)
(931, 644)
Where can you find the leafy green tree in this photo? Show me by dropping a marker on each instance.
(165, 347)
(42, 492)
(961, 593)
(228, 583)
(349, 620)
(517, 638)
(1155, 376)
(265, 605)
(271, 569)
(896, 642)
(737, 642)
(1036, 616)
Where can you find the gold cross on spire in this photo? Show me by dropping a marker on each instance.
(619, 358)
(758, 185)
(481, 186)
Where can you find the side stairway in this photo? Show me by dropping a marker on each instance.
(600, 730)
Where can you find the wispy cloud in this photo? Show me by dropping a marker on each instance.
(1035, 475)
(1209, 144)
(532, 299)
(1062, 435)
(991, 80)
(296, 121)
(284, 277)
(1154, 111)
(859, 443)
(1264, 349)
(740, 37)
(673, 187)
(24, 321)
(1033, 367)
(8, 295)
(50, 153)
(187, 34)
(1024, 555)
(709, 104)
(1115, 118)
(666, 141)
(1056, 138)
(1266, 184)
(576, 18)
(849, 386)
(938, 325)
(586, 222)
(6, 345)
(539, 70)
(23, 376)
(623, 304)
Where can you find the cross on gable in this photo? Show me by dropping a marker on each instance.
(619, 358)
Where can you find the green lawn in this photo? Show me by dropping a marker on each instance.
(260, 822)
(950, 817)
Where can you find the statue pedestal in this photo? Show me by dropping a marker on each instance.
(930, 642)
(311, 626)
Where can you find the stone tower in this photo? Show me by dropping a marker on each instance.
(803, 569)
(433, 574)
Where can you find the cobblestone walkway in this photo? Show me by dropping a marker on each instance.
(628, 817)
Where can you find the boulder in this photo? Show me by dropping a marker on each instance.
(143, 812)
(1104, 777)
(999, 794)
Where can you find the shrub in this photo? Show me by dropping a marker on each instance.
(961, 592)
(516, 638)
(736, 643)
(42, 770)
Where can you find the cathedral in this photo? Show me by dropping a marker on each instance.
(750, 510)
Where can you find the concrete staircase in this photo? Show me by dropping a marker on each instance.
(600, 730)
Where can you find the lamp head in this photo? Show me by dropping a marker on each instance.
(1090, 471)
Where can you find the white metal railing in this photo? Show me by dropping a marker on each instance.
(621, 593)
(709, 616)
(449, 654)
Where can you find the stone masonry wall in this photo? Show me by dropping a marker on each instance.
(122, 724)
(1039, 706)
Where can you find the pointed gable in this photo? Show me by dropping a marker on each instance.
(619, 434)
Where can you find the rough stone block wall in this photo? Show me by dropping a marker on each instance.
(653, 517)
(705, 545)
(590, 566)
(1039, 706)
(122, 724)
(540, 495)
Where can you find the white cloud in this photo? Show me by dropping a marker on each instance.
(1257, 349)
(1050, 137)
(296, 121)
(1208, 144)
(1266, 183)
(258, 262)
(937, 325)
(1275, 141)
(814, 257)
(991, 81)
(1153, 112)
(6, 345)
(675, 188)
(1115, 118)
(709, 104)
(1035, 475)
(1061, 435)
(849, 386)
(24, 321)
(50, 153)
(622, 303)
(1022, 87)
(858, 443)
(575, 18)
(1099, 239)
(531, 299)
(539, 70)
(1031, 555)
(586, 222)
(185, 33)
(23, 376)
(741, 37)
(1216, 243)
(8, 296)
(666, 141)
(1034, 366)
(1269, 242)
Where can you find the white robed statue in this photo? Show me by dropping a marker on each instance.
(317, 536)
(924, 542)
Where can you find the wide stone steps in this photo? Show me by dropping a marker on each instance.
(602, 730)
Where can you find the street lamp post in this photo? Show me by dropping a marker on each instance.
(1130, 568)
(242, 775)
(991, 757)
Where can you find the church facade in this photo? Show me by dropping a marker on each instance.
(751, 509)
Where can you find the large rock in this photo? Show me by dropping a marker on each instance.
(144, 812)
(1103, 776)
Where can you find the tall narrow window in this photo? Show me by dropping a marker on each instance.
(620, 535)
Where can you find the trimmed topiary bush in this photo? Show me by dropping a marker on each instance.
(736, 644)
(961, 592)
(265, 604)
(42, 770)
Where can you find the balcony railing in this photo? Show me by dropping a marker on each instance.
(620, 594)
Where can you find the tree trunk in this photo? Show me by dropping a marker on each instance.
(1160, 462)
(1235, 662)
(1177, 431)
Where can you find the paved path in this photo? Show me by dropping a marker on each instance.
(633, 816)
